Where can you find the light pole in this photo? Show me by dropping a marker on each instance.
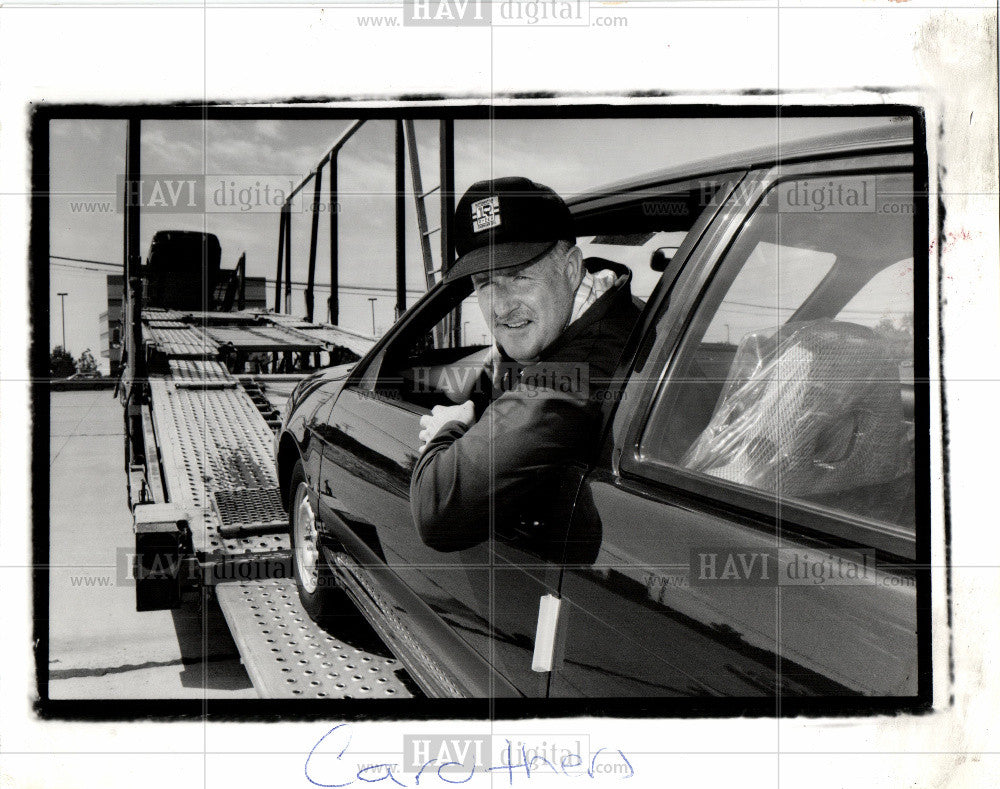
(62, 300)
(372, 300)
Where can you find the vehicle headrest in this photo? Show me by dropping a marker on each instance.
(811, 408)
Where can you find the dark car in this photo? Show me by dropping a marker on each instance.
(746, 526)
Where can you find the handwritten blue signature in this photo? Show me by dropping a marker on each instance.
(525, 767)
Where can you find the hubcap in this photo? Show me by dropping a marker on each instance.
(306, 541)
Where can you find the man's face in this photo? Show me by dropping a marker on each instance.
(527, 308)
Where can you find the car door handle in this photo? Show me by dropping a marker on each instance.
(521, 528)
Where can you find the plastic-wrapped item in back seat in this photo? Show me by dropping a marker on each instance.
(809, 409)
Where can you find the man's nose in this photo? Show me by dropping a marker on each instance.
(503, 304)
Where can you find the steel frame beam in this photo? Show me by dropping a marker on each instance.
(282, 229)
(401, 218)
(446, 152)
(313, 239)
(333, 303)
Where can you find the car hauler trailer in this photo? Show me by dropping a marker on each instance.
(201, 390)
(207, 509)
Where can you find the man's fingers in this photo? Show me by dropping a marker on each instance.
(440, 415)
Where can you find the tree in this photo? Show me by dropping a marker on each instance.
(87, 365)
(898, 339)
(61, 363)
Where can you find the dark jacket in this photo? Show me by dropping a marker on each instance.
(548, 414)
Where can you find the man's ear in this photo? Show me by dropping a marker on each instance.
(574, 265)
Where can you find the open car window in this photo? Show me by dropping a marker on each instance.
(437, 356)
(790, 380)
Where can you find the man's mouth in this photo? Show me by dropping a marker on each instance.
(514, 325)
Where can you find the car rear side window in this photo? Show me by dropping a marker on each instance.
(794, 375)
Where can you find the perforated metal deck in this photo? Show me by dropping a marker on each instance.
(264, 338)
(199, 371)
(215, 452)
(215, 446)
(213, 441)
(243, 511)
(173, 341)
(333, 335)
(201, 334)
(287, 655)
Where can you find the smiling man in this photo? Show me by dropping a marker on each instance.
(559, 324)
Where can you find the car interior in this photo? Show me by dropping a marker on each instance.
(815, 403)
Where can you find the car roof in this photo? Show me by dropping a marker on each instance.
(876, 138)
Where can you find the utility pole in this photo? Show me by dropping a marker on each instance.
(62, 299)
(372, 300)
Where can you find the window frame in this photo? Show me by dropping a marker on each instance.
(367, 373)
(677, 315)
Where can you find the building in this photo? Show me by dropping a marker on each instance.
(110, 322)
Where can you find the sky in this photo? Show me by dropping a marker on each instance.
(87, 157)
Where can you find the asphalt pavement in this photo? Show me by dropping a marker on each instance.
(99, 646)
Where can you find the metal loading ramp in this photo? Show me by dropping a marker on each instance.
(217, 461)
(214, 438)
(208, 462)
(287, 655)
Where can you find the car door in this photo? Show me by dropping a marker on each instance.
(474, 610)
(751, 529)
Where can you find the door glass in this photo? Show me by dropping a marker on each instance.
(794, 377)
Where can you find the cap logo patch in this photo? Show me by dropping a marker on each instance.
(485, 214)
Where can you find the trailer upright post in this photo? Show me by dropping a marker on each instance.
(333, 304)
(401, 219)
(447, 182)
(281, 255)
(133, 276)
(313, 240)
(288, 256)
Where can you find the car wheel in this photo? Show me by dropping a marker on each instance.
(320, 596)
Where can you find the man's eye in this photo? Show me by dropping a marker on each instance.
(521, 278)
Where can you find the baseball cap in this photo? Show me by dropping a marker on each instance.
(507, 222)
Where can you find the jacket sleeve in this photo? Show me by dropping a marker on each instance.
(464, 474)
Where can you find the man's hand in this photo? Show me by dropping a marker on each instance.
(441, 415)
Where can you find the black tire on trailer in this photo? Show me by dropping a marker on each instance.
(321, 597)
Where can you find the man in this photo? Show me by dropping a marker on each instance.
(559, 328)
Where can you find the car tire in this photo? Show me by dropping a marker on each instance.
(321, 598)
